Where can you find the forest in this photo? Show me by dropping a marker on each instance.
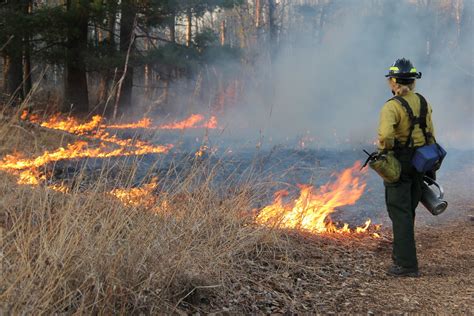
(113, 57)
(207, 156)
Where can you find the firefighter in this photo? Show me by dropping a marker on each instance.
(405, 124)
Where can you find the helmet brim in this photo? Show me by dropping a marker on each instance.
(411, 75)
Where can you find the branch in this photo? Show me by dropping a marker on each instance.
(147, 35)
(119, 89)
(48, 46)
(154, 38)
(8, 42)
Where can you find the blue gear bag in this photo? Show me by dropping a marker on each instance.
(428, 157)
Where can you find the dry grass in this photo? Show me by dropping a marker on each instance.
(196, 249)
(89, 253)
(86, 252)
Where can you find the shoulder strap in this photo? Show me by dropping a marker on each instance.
(411, 116)
(423, 115)
(406, 106)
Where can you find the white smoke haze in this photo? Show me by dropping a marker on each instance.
(334, 90)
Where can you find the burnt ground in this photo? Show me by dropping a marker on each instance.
(340, 275)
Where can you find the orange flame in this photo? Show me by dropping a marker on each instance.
(59, 188)
(31, 177)
(79, 149)
(137, 196)
(25, 115)
(71, 124)
(143, 123)
(27, 168)
(211, 124)
(190, 122)
(311, 210)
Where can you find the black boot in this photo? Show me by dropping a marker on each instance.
(399, 271)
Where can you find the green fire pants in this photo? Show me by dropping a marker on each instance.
(402, 199)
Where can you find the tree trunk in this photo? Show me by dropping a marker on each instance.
(75, 77)
(189, 18)
(242, 32)
(273, 30)
(146, 73)
(258, 13)
(27, 57)
(13, 75)
(27, 70)
(258, 22)
(12, 52)
(172, 27)
(128, 11)
(222, 32)
(108, 74)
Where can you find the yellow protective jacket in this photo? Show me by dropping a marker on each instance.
(394, 123)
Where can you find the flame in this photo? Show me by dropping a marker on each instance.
(31, 177)
(71, 124)
(143, 123)
(59, 188)
(29, 166)
(202, 151)
(95, 129)
(211, 124)
(311, 210)
(25, 115)
(137, 196)
(79, 149)
(190, 122)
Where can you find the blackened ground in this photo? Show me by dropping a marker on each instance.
(282, 167)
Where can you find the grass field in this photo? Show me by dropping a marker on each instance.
(197, 249)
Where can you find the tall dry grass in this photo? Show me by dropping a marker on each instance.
(87, 252)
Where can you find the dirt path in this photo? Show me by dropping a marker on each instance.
(446, 285)
(347, 275)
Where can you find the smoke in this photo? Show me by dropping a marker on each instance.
(333, 89)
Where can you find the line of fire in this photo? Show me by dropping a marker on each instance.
(310, 211)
